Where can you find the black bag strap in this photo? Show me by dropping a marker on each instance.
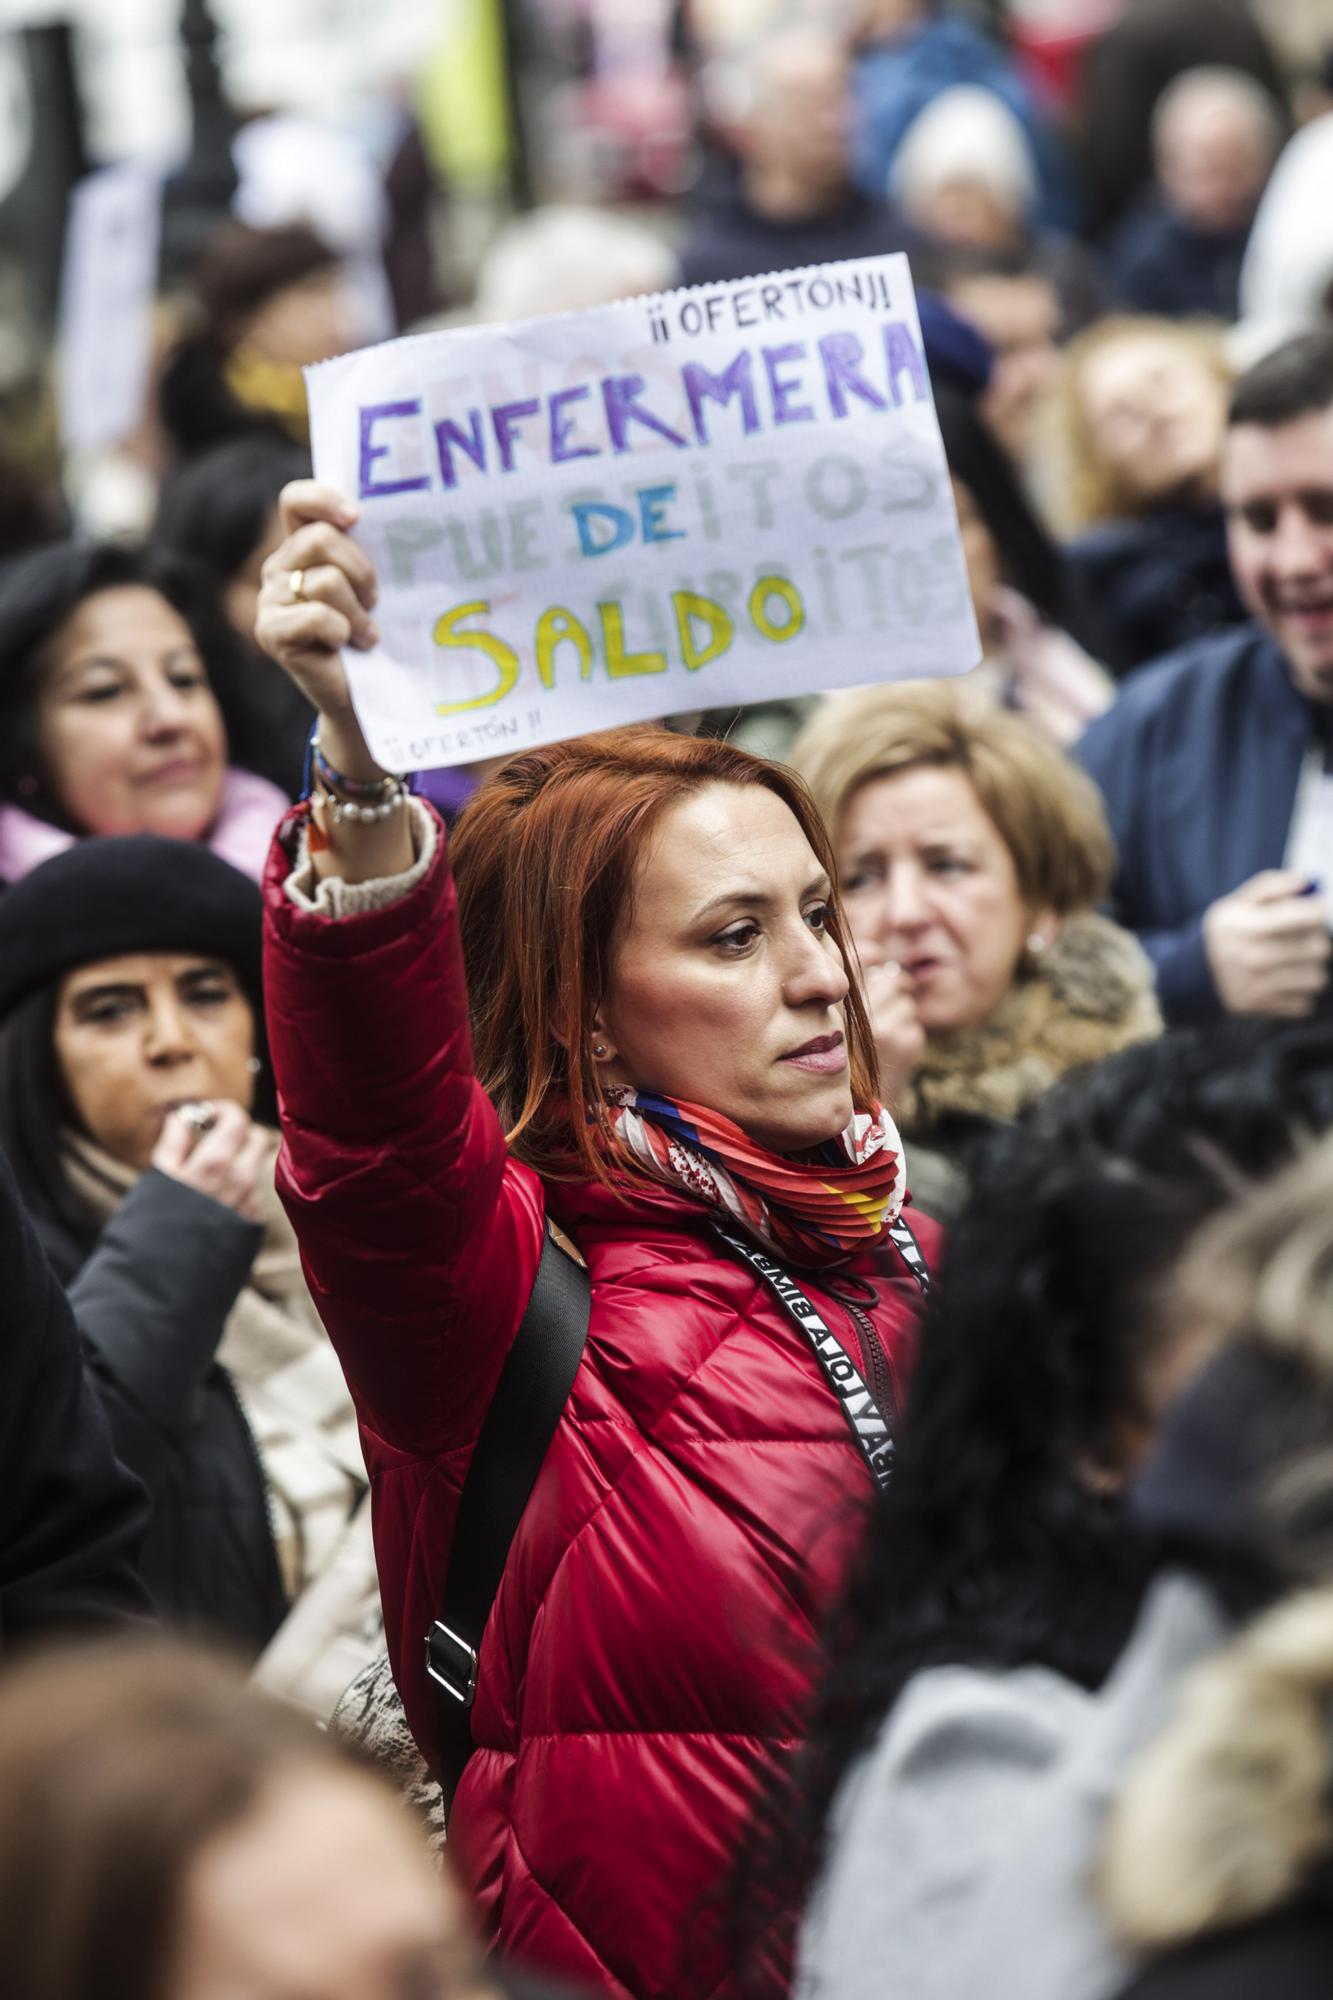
(533, 1388)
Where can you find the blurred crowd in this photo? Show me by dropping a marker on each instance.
(1055, 1720)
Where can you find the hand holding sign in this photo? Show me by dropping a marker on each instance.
(316, 595)
(605, 517)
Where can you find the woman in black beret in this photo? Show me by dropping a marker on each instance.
(137, 1109)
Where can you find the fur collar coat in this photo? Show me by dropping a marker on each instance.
(1088, 996)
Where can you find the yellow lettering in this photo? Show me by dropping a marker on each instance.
(554, 627)
(620, 664)
(447, 634)
(689, 606)
(776, 586)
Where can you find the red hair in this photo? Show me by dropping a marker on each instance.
(544, 856)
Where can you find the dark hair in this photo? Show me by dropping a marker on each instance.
(41, 590)
(240, 270)
(35, 1113)
(1295, 380)
(1029, 558)
(119, 1764)
(991, 1549)
(215, 508)
(34, 1109)
(244, 267)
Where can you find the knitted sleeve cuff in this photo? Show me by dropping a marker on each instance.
(332, 897)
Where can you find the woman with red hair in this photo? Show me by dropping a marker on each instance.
(627, 1009)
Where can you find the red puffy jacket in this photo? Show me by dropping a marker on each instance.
(655, 1636)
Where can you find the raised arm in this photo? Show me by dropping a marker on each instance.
(420, 1239)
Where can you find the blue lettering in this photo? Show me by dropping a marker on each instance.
(619, 520)
(653, 501)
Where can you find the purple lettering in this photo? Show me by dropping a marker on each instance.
(472, 444)
(841, 354)
(736, 380)
(505, 420)
(783, 388)
(562, 427)
(620, 394)
(368, 488)
(903, 353)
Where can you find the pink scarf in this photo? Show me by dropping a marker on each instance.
(251, 808)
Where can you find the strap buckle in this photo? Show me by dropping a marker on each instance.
(451, 1663)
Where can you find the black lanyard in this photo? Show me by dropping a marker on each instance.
(868, 1423)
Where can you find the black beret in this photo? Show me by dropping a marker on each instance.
(104, 898)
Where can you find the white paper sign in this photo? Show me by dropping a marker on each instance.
(108, 286)
(691, 500)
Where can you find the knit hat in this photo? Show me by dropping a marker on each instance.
(965, 133)
(104, 898)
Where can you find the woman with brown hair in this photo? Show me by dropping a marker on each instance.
(972, 856)
(633, 1016)
(168, 1834)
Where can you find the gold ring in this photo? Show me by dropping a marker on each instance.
(296, 583)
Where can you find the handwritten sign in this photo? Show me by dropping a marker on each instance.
(108, 284)
(696, 499)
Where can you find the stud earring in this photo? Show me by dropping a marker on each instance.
(599, 1050)
(254, 1065)
(1036, 944)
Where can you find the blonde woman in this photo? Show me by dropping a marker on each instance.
(1136, 424)
(972, 856)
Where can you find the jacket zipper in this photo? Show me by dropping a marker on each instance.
(873, 1356)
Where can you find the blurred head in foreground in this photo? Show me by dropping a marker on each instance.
(168, 1834)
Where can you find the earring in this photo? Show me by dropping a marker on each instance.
(254, 1065)
(599, 1050)
(1036, 944)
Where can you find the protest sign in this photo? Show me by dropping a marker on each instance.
(683, 501)
(104, 346)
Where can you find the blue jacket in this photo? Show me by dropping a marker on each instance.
(1158, 264)
(1198, 762)
(898, 77)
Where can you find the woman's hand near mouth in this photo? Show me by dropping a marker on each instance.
(900, 1039)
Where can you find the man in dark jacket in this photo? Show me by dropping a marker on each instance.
(1130, 65)
(1216, 765)
(791, 201)
(1216, 133)
(71, 1517)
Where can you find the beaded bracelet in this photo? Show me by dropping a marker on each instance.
(363, 791)
(360, 811)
